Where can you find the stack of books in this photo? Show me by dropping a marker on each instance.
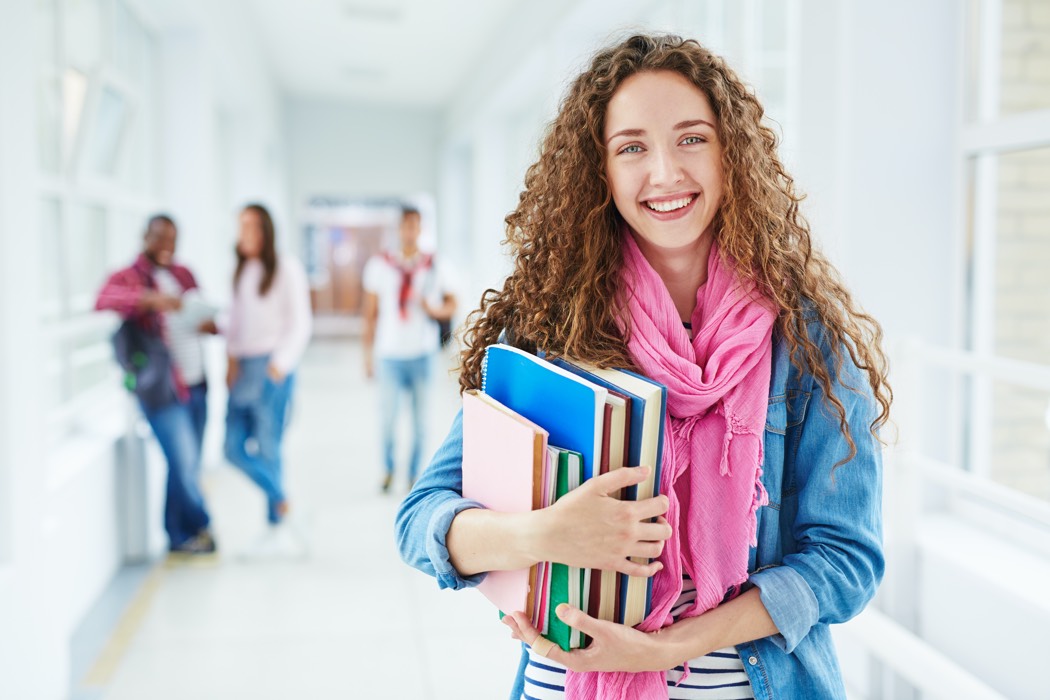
(537, 430)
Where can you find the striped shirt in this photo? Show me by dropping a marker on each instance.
(718, 676)
(184, 340)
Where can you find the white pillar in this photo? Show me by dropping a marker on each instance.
(34, 653)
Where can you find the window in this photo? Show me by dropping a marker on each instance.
(96, 158)
(1006, 146)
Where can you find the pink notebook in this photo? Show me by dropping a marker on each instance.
(504, 456)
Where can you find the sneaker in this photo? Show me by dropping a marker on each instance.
(201, 543)
(281, 541)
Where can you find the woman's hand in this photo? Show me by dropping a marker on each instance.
(590, 528)
(275, 375)
(613, 647)
(233, 369)
(587, 527)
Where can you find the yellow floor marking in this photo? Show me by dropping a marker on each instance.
(106, 664)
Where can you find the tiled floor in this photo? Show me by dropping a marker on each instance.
(351, 621)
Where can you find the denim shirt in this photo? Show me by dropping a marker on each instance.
(819, 555)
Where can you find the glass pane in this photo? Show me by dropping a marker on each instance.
(49, 87)
(1021, 432)
(50, 222)
(86, 255)
(107, 127)
(1022, 296)
(49, 116)
(142, 171)
(1025, 64)
(1021, 439)
(123, 40)
(91, 361)
(125, 239)
(74, 92)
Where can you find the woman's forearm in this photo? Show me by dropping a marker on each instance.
(484, 540)
(740, 620)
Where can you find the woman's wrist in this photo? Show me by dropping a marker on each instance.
(533, 535)
(682, 641)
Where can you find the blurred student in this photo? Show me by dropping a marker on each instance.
(268, 330)
(406, 296)
(160, 347)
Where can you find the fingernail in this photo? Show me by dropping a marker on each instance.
(562, 610)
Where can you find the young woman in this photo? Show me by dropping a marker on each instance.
(269, 327)
(659, 204)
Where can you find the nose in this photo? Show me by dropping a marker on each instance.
(666, 168)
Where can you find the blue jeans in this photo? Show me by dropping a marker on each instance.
(413, 377)
(179, 427)
(256, 416)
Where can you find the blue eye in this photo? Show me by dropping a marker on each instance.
(632, 148)
(690, 140)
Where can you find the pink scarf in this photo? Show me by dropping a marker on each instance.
(717, 395)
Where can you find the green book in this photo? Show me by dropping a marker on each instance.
(567, 582)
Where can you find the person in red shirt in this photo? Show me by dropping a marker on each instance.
(149, 294)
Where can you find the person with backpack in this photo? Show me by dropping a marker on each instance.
(159, 346)
(407, 297)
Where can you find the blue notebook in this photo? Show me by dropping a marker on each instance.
(648, 411)
(569, 408)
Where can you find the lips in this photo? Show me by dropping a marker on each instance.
(670, 208)
(669, 205)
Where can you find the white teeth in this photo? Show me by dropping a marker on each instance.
(669, 205)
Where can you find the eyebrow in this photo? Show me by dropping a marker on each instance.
(677, 127)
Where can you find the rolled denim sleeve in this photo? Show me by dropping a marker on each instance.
(838, 563)
(424, 517)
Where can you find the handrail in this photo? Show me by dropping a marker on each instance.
(928, 670)
(1017, 502)
(1028, 374)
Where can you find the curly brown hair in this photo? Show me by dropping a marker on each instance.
(563, 294)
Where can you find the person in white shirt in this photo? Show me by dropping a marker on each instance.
(406, 295)
(268, 329)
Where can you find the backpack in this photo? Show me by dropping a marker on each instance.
(147, 365)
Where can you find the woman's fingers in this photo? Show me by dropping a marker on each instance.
(522, 630)
(633, 568)
(649, 507)
(654, 532)
(577, 619)
(647, 550)
(617, 479)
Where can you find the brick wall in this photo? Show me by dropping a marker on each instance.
(1021, 438)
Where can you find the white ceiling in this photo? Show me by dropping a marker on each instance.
(393, 51)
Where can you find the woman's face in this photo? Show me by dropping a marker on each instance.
(250, 239)
(663, 159)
